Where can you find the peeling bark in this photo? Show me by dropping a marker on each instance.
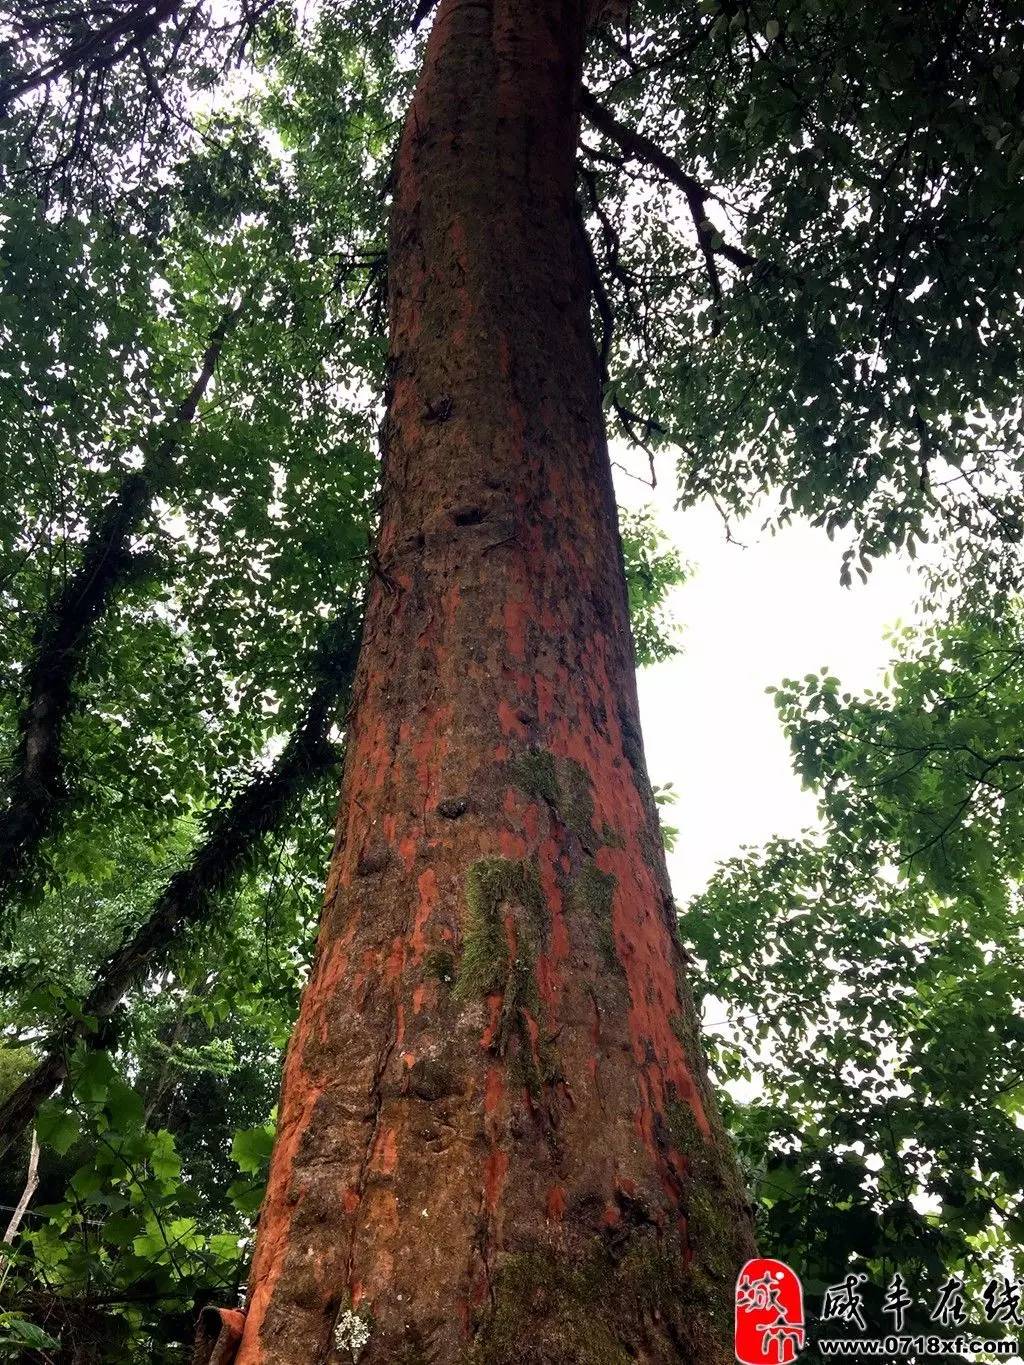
(497, 1141)
(217, 1336)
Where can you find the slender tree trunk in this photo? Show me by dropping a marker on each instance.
(496, 1141)
(31, 1185)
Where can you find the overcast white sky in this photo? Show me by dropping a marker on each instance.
(751, 617)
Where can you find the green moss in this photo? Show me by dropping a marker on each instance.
(544, 1311)
(592, 894)
(684, 1025)
(491, 884)
(611, 837)
(520, 997)
(711, 1227)
(714, 1200)
(413, 1351)
(531, 1072)
(486, 966)
(577, 801)
(534, 773)
(562, 782)
(594, 1307)
(686, 1136)
(699, 1305)
(440, 964)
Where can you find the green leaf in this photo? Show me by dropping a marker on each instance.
(246, 1195)
(164, 1159)
(92, 1077)
(123, 1106)
(56, 1126)
(251, 1148)
(121, 1229)
(25, 1333)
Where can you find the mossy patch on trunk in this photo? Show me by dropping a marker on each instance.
(611, 837)
(495, 887)
(533, 772)
(533, 1072)
(439, 963)
(596, 1306)
(714, 1200)
(591, 895)
(492, 884)
(563, 783)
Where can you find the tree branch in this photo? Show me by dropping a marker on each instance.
(31, 1184)
(229, 848)
(629, 419)
(34, 786)
(601, 299)
(637, 147)
(423, 8)
(93, 50)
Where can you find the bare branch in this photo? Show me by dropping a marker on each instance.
(31, 1183)
(630, 420)
(97, 50)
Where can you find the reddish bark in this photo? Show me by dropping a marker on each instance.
(496, 1136)
(218, 1335)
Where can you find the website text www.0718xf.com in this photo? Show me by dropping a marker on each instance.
(916, 1345)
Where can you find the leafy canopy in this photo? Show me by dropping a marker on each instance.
(805, 276)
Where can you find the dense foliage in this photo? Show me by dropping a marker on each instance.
(851, 175)
(215, 665)
(871, 974)
(806, 282)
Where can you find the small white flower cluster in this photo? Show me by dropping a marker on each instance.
(351, 1333)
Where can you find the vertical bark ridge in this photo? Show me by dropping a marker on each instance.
(496, 1137)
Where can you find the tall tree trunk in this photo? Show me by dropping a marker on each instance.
(496, 1142)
